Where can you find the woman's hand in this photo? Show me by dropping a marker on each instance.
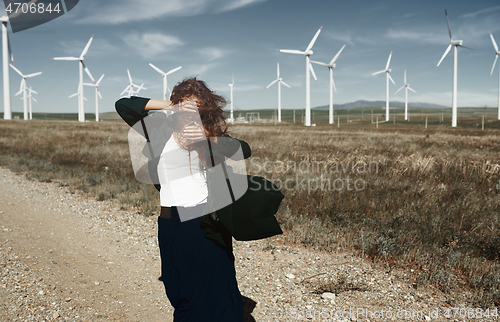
(185, 106)
(191, 133)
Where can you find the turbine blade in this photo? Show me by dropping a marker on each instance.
(34, 99)
(99, 93)
(379, 72)
(100, 79)
(33, 91)
(399, 89)
(89, 84)
(278, 70)
(291, 51)
(319, 63)
(274, 81)
(87, 71)
(311, 44)
(494, 62)
(312, 72)
(129, 77)
(73, 95)
(388, 61)
(125, 90)
(405, 77)
(494, 42)
(33, 75)
(10, 51)
(84, 52)
(17, 70)
(173, 70)
(448, 22)
(333, 83)
(282, 82)
(65, 58)
(465, 47)
(411, 89)
(444, 55)
(336, 56)
(157, 69)
(84, 98)
(391, 79)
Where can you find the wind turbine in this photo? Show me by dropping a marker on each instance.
(231, 119)
(280, 81)
(388, 76)
(6, 52)
(332, 84)
(23, 89)
(497, 52)
(81, 65)
(455, 44)
(165, 87)
(406, 87)
(73, 95)
(30, 98)
(130, 88)
(97, 93)
(309, 69)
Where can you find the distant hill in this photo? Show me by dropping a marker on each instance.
(374, 104)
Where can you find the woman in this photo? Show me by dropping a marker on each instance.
(197, 268)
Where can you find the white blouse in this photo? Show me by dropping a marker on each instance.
(182, 181)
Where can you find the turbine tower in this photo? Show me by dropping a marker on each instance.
(31, 98)
(97, 93)
(388, 76)
(455, 44)
(497, 52)
(165, 87)
(6, 52)
(130, 88)
(309, 70)
(231, 119)
(406, 87)
(81, 66)
(280, 81)
(332, 84)
(23, 89)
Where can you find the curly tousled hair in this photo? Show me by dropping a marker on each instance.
(210, 105)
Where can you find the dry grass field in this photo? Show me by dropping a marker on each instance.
(402, 195)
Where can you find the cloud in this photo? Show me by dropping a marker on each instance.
(479, 12)
(99, 47)
(212, 53)
(150, 45)
(345, 37)
(199, 69)
(418, 36)
(126, 11)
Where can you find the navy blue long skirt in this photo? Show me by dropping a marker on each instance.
(199, 275)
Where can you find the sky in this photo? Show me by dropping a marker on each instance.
(215, 39)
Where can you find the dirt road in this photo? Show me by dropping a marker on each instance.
(67, 257)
